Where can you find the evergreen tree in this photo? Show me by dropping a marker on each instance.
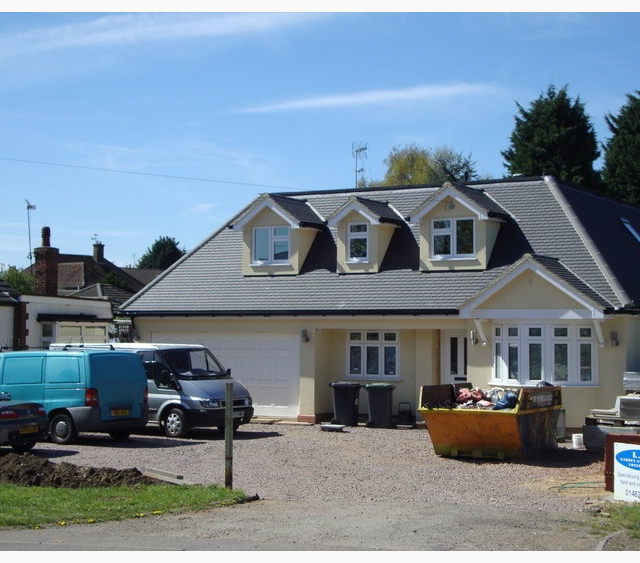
(621, 171)
(554, 137)
(161, 255)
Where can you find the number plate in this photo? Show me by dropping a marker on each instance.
(119, 412)
(30, 429)
(238, 414)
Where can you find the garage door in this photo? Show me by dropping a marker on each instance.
(267, 364)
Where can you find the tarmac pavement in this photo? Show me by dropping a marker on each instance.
(267, 525)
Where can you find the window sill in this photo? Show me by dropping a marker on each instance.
(452, 258)
(258, 264)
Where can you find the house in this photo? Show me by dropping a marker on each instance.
(89, 277)
(76, 298)
(498, 283)
(9, 299)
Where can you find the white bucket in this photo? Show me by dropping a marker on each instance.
(577, 441)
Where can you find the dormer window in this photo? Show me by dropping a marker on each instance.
(358, 242)
(271, 245)
(452, 238)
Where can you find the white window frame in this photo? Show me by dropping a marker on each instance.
(273, 238)
(451, 231)
(368, 352)
(354, 235)
(573, 343)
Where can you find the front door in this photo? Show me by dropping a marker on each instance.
(453, 360)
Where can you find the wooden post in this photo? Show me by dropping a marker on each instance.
(228, 436)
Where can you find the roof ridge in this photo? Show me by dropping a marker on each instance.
(598, 258)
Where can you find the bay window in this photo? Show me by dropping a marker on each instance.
(526, 354)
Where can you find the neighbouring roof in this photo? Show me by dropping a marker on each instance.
(76, 271)
(116, 295)
(575, 235)
(8, 295)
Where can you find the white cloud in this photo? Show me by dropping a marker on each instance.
(127, 29)
(371, 97)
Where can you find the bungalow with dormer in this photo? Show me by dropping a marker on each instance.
(500, 283)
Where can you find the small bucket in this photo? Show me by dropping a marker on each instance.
(577, 441)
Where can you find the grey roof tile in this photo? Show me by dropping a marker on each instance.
(209, 280)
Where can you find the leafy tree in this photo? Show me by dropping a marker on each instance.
(621, 171)
(415, 165)
(162, 254)
(555, 137)
(23, 282)
(112, 279)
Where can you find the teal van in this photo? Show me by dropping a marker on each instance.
(81, 390)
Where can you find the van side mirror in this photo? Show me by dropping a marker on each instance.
(229, 372)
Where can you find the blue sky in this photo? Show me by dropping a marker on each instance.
(124, 127)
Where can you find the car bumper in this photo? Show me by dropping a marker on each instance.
(89, 419)
(217, 417)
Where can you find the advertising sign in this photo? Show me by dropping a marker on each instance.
(626, 472)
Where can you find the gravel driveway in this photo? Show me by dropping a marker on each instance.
(362, 488)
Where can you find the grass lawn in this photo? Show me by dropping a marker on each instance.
(36, 506)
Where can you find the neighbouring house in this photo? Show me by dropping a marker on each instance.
(9, 299)
(76, 298)
(89, 277)
(499, 283)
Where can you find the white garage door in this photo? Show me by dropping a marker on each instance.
(267, 364)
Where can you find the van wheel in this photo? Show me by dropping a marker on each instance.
(21, 448)
(62, 430)
(175, 423)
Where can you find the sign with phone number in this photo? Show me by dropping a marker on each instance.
(626, 472)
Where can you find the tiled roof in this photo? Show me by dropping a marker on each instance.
(115, 295)
(76, 271)
(299, 209)
(8, 295)
(560, 225)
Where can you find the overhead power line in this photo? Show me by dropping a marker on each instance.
(133, 172)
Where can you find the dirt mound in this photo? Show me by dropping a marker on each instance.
(32, 471)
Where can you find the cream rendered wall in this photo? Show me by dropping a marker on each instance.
(530, 291)
(485, 236)
(297, 242)
(379, 238)
(323, 359)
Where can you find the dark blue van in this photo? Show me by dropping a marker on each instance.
(81, 390)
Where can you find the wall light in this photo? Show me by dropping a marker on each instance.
(614, 339)
(450, 205)
(305, 335)
(473, 337)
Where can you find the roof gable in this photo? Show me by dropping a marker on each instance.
(474, 199)
(376, 212)
(296, 212)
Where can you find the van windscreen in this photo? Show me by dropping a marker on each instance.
(196, 363)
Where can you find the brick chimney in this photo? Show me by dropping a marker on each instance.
(46, 267)
(98, 251)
